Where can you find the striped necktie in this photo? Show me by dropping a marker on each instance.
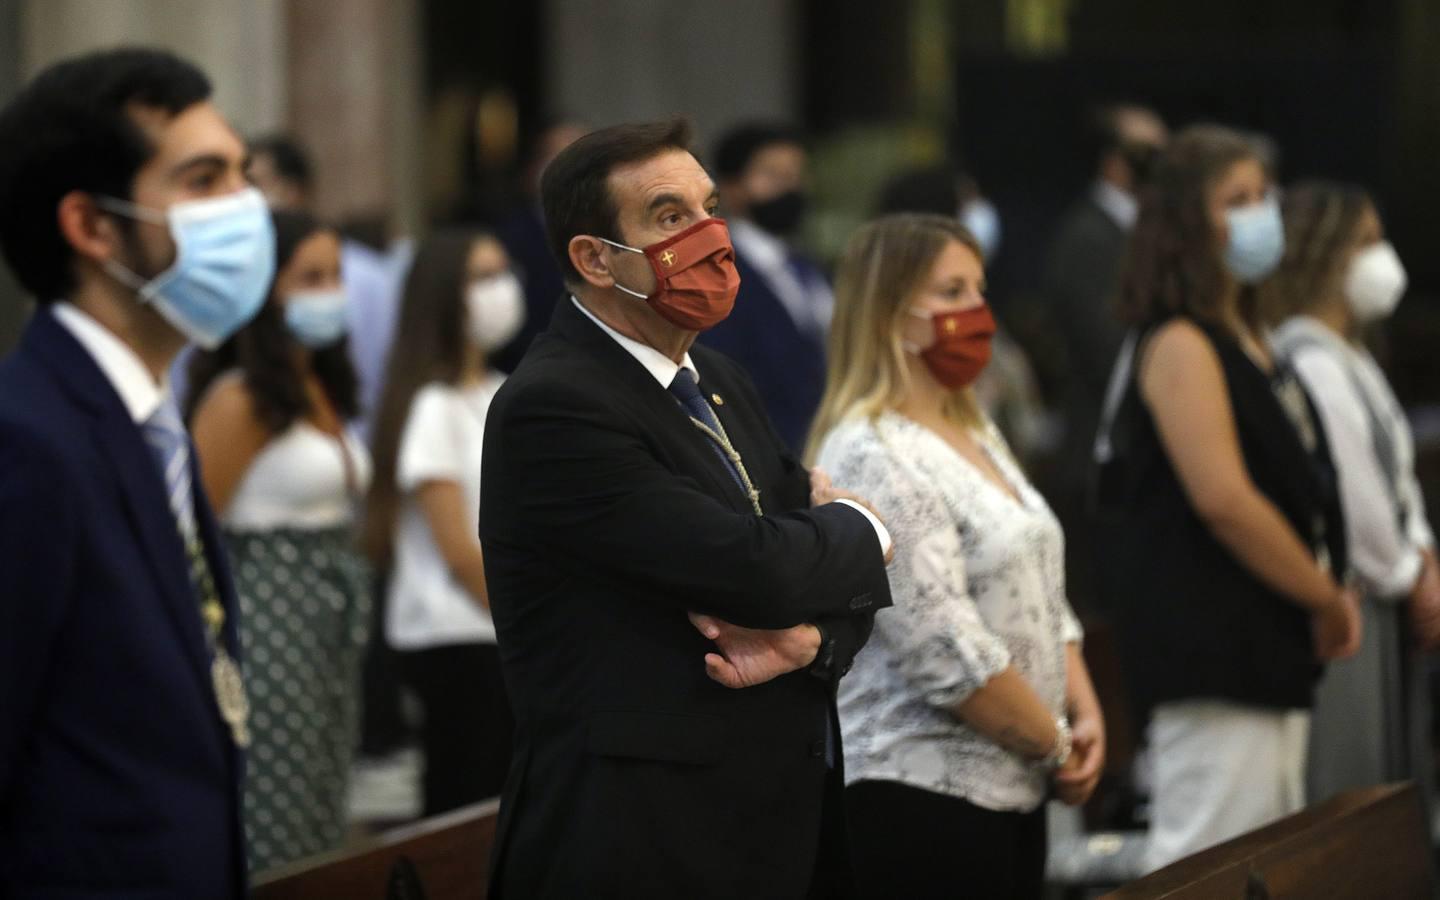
(168, 440)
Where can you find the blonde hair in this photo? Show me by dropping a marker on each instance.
(883, 269)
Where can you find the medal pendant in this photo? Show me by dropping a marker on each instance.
(230, 695)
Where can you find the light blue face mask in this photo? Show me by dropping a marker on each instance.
(316, 318)
(1257, 240)
(224, 262)
(983, 221)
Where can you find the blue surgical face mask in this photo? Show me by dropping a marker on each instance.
(224, 262)
(316, 318)
(1256, 242)
(983, 221)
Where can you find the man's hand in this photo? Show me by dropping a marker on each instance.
(751, 656)
(1076, 780)
(1336, 627)
(823, 491)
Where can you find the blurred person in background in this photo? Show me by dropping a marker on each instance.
(777, 329)
(422, 523)
(972, 700)
(124, 212)
(523, 234)
(282, 169)
(1224, 550)
(1079, 292)
(1339, 278)
(1007, 390)
(284, 473)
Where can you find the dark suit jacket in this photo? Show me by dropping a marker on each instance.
(605, 515)
(117, 777)
(1082, 281)
(786, 364)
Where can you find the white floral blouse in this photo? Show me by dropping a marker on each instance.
(979, 585)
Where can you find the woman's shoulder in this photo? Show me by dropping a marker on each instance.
(852, 442)
(228, 398)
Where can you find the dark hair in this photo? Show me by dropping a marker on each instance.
(291, 161)
(738, 146)
(932, 189)
(1174, 264)
(263, 350)
(429, 345)
(1322, 230)
(575, 189)
(70, 129)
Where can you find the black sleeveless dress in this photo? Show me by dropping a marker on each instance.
(1193, 621)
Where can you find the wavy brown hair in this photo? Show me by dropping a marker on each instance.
(430, 342)
(884, 266)
(1322, 232)
(263, 350)
(1174, 265)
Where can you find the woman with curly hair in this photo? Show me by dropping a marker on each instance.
(268, 413)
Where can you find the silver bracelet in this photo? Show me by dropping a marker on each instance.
(1060, 753)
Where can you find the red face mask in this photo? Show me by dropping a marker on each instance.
(962, 345)
(695, 275)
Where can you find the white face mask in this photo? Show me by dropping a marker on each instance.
(496, 308)
(1375, 283)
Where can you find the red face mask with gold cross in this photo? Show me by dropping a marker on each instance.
(962, 344)
(695, 275)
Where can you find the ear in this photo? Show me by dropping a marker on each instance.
(588, 257)
(89, 233)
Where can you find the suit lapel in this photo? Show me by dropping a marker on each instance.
(659, 404)
(147, 507)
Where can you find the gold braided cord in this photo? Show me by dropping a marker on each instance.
(723, 441)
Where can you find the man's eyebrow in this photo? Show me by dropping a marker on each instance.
(660, 200)
(195, 162)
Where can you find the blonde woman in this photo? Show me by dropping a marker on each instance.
(972, 699)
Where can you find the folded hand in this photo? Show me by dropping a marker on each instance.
(751, 656)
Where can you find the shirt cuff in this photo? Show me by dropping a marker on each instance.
(881, 531)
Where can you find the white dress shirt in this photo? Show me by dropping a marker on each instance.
(664, 369)
(810, 304)
(1120, 206)
(979, 586)
(121, 366)
(1385, 523)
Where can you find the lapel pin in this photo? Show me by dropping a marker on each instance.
(717, 399)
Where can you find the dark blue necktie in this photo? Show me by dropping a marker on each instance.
(688, 393)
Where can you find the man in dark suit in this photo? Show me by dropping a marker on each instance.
(675, 595)
(1080, 282)
(782, 314)
(122, 716)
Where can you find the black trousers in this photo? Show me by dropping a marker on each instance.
(913, 843)
(468, 729)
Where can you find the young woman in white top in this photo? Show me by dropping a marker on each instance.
(461, 302)
(971, 701)
(1340, 277)
(284, 474)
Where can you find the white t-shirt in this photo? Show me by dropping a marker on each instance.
(442, 442)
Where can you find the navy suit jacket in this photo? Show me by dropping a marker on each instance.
(118, 778)
(786, 364)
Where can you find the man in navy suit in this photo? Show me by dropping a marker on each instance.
(782, 313)
(122, 716)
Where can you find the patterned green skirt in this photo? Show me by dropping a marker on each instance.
(304, 622)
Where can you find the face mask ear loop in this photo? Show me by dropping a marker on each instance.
(131, 210)
(618, 286)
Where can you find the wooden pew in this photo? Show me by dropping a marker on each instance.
(1365, 844)
(447, 857)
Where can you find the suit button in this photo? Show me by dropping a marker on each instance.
(860, 602)
(817, 749)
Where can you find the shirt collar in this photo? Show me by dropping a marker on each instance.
(759, 246)
(660, 366)
(121, 366)
(1117, 204)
